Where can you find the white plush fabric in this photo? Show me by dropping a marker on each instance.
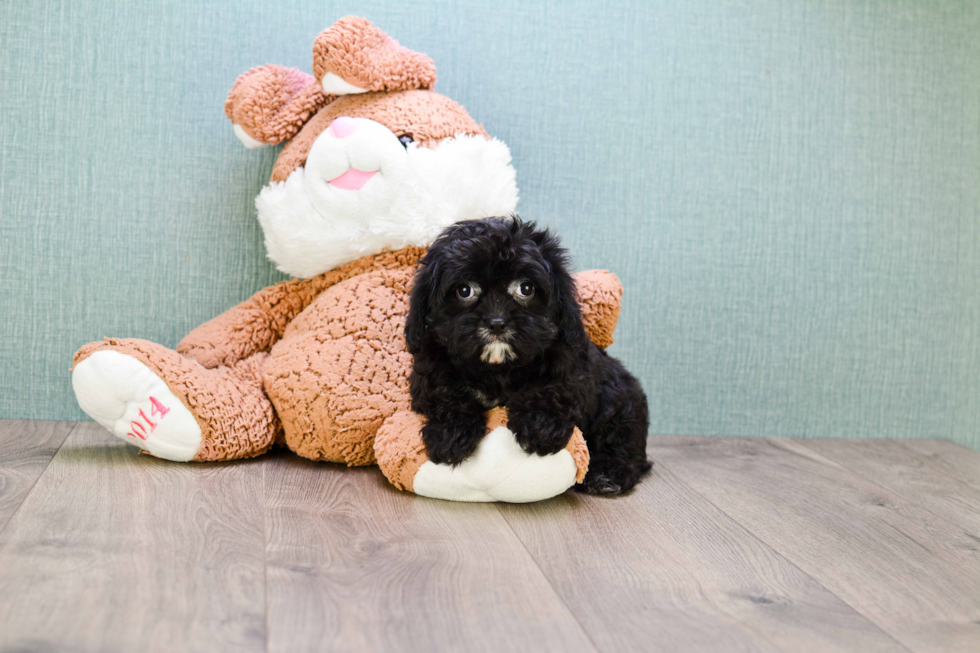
(311, 226)
(247, 140)
(112, 388)
(499, 471)
(336, 85)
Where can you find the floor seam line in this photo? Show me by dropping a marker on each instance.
(897, 493)
(932, 468)
(3, 527)
(265, 551)
(783, 556)
(554, 591)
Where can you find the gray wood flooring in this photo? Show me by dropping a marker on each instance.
(731, 544)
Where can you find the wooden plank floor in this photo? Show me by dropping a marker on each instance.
(730, 544)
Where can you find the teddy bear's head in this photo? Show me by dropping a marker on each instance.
(374, 159)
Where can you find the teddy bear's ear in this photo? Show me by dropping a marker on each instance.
(354, 56)
(269, 104)
(600, 294)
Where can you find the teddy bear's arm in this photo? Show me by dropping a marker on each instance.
(500, 471)
(600, 294)
(269, 104)
(259, 322)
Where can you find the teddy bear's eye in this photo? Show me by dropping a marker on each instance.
(405, 139)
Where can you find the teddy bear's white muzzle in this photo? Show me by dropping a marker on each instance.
(354, 169)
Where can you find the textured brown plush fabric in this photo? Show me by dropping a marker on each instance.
(399, 448)
(342, 368)
(580, 454)
(258, 322)
(401, 452)
(426, 116)
(363, 55)
(496, 417)
(237, 419)
(271, 103)
(600, 294)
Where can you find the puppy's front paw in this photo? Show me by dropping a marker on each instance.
(540, 432)
(450, 443)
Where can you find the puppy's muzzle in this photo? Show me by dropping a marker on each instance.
(496, 349)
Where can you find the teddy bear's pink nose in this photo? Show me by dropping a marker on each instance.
(343, 126)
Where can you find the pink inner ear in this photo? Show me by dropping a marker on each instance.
(352, 179)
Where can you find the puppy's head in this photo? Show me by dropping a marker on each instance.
(495, 292)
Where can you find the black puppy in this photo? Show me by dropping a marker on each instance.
(494, 321)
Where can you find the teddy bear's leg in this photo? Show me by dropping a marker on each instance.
(354, 56)
(332, 393)
(171, 406)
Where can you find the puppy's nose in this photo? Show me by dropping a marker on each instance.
(497, 325)
(343, 127)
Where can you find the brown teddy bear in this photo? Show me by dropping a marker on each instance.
(374, 167)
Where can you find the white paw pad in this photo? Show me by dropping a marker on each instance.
(499, 470)
(126, 397)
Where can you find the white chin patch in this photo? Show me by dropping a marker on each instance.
(312, 226)
(335, 85)
(497, 352)
(247, 140)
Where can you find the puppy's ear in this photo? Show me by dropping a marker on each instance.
(426, 281)
(571, 331)
(570, 328)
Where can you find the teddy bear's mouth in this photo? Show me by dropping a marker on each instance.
(353, 179)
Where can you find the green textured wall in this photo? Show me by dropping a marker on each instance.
(788, 189)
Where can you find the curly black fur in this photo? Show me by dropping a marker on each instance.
(479, 342)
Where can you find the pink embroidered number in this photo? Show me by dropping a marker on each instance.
(158, 408)
(138, 430)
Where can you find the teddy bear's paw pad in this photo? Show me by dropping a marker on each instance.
(131, 401)
(499, 471)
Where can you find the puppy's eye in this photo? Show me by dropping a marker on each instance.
(405, 139)
(522, 290)
(467, 291)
